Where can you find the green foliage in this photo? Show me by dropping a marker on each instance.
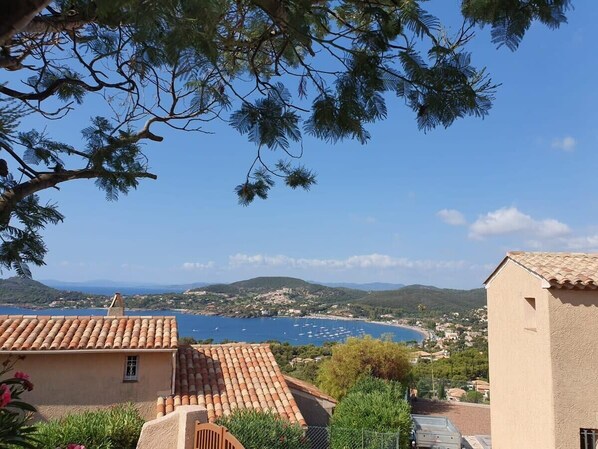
(308, 370)
(418, 299)
(357, 357)
(259, 430)
(115, 428)
(456, 370)
(373, 405)
(473, 396)
(511, 19)
(441, 391)
(15, 414)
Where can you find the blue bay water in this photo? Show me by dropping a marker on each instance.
(297, 331)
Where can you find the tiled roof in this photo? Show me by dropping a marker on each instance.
(561, 270)
(64, 333)
(223, 378)
(306, 387)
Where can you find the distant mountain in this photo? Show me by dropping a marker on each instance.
(442, 300)
(107, 287)
(369, 287)
(16, 290)
(298, 288)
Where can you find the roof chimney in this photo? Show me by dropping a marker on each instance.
(117, 306)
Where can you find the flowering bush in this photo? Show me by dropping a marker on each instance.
(15, 414)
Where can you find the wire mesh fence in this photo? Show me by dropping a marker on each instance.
(342, 438)
(211, 436)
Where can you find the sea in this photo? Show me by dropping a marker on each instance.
(296, 331)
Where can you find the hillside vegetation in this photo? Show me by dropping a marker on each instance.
(292, 288)
(24, 291)
(409, 299)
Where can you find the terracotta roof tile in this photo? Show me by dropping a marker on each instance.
(67, 333)
(227, 377)
(561, 270)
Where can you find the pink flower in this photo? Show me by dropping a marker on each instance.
(25, 378)
(21, 375)
(75, 446)
(5, 396)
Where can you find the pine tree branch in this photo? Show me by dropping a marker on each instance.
(51, 90)
(43, 181)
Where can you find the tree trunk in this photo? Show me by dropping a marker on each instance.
(16, 15)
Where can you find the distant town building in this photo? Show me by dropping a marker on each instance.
(543, 340)
(455, 394)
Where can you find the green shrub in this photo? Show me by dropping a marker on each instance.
(372, 405)
(473, 396)
(260, 430)
(369, 384)
(114, 428)
(384, 359)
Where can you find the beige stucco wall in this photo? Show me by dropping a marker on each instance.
(75, 382)
(520, 362)
(574, 332)
(173, 431)
(315, 411)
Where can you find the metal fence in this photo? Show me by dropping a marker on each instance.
(341, 438)
(210, 436)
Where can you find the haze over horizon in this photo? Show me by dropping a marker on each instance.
(440, 208)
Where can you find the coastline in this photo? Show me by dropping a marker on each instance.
(423, 332)
(420, 330)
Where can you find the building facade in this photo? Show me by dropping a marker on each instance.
(85, 363)
(543, 349)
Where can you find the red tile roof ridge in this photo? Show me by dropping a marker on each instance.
(567, 270)
(71, 333)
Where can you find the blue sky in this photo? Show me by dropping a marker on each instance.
(440, 208)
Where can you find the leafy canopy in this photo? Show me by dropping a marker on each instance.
(275, 70)
(358, 357)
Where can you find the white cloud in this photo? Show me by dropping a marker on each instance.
(192, 266)
(509, 220)
(452, 217)
(377, 261)
(567, 143)
(585, 243)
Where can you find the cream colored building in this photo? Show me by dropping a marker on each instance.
(80, 363)
(543, 348)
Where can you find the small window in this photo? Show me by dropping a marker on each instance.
(529, 313)
(131, 368)
(588, 438)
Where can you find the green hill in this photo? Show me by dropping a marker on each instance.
(16, 290)
(299, 288)
(272, 283)
(440, 300)
(407, 299)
